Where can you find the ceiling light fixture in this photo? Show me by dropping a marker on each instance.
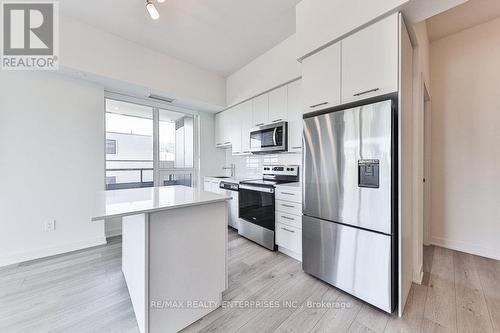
(153, 12)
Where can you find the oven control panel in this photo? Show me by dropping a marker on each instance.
(283, 170)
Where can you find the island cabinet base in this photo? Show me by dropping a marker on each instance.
(175, 264)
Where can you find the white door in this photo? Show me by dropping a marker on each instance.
(260, 112)
(246, 126)
(294, 117)
(278, 105)
(321, 79)
(370, 61)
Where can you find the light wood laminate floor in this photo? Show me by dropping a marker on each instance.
(84, 291)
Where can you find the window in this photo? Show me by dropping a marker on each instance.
(132, 127)
(176, 148)
(110, 147)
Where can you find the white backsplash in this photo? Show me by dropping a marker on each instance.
(250, 166)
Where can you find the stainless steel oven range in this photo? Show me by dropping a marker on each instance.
(256, 203)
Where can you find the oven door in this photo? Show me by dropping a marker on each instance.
(256, 205)
(269, 138)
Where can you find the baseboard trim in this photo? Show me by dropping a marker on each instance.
(466, 247)
(50, 251)
(294, 255)
(418, 277)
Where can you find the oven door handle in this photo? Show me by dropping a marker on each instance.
(256, 188)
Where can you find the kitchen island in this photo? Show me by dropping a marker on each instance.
(174, 256)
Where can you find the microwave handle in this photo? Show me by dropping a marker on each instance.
(275, 140)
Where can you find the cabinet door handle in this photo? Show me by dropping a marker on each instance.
(287, 218)
(289, 206)
(226, 143)
(298, 147)
(259, 124)
(287, 193)
(246, 152)
(289, 230)
(316, 105)
(366, 92)
(276, 120)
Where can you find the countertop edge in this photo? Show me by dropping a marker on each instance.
(292, 186)
(159, 209)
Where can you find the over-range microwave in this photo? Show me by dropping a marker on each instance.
(269, 138)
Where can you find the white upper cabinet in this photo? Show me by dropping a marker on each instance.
(321, 79)
(260, 113)
(223, 128)
(294, 117)
(226, 127)
(278, 105)
(219, 135)
(235, 115)
(370, 61)
(246, 126)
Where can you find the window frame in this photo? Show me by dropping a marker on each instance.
(156, 107)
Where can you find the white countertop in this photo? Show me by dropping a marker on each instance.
(297, 185)
(119, 203)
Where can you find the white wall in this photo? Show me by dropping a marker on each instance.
(52, 163)
(89, 50)
(273, 68)
(465, 72)
(422, 50)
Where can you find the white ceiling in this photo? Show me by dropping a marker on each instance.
(217, 35)
(465, 16)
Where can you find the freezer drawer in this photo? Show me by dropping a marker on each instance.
(351, 259)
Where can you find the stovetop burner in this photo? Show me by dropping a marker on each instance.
(264, 182)
(273, 175)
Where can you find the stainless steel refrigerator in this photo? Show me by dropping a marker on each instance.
(349, 226)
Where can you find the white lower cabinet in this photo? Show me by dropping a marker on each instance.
(207, 185)
(289, 220)
(211, 185)
(288, 207)
(289, 238)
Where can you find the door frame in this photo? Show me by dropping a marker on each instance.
(426, 167)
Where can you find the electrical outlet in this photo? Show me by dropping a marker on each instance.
(50, 225)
